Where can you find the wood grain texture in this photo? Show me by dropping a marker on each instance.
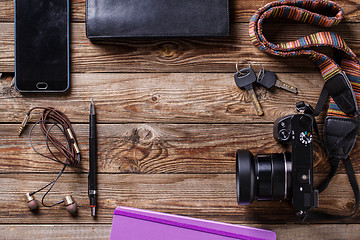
(155, 148)
(239, 11)
(163, 98)
(102, 231)
(316, 231)
(207, 196)
(171, 119)
(175, 55)
(50, 232)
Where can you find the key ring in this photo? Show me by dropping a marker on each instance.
(237, 64)
(257, 63)
(261, 72)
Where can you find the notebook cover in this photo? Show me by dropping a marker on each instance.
(156, 18)
(137, 224)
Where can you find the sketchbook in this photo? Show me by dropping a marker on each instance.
(136, 224)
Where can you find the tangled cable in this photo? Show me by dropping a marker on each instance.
(49, 119)
(51, 115)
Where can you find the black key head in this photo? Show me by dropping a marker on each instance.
(245, 77)
(266, 78)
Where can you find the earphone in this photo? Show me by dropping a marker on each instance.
(69, 202)
(51, 118)
(31, 202)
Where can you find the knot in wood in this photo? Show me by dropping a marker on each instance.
(145, 134)
(142, 134)
(155, 98)
(168, 50)
(350, 205)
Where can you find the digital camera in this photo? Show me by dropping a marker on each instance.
(281, 176)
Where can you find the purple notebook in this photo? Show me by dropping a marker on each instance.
(137, 224)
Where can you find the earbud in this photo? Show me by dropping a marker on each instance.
(70, 205)
(31, 202)
(68, 201)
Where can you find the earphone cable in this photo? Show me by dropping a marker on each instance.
(69, 150)
(52, 115)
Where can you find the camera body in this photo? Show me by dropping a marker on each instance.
(280, 176)
(297, 130)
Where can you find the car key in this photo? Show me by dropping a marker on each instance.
(245, 78)
(269, 79)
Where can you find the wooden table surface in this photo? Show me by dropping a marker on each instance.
(170, 120)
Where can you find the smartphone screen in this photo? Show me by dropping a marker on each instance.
(42, 45)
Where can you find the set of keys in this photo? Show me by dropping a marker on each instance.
(246, 77)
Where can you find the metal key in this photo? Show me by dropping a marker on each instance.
(268, 79)
(245, 78)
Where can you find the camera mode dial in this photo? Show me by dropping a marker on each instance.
(305, 137)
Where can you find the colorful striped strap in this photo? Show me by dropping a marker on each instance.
(343, 111)
(308, 11)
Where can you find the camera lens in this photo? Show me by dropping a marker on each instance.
(245, 177)
(263, 177)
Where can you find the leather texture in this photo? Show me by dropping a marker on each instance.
(339, 136)
(156, 18)
(340, 89)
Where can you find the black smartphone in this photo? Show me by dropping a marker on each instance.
(42, 45)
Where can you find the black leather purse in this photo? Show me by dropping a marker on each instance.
(109, 19)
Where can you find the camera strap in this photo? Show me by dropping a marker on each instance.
(340, 73)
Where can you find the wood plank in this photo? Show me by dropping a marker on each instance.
(240, 11)
(175, 55)
(315, 231)
(102, 231)
(171, 119)
(155, 148)
(207, 196)
(68, 231)
(164, 98)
